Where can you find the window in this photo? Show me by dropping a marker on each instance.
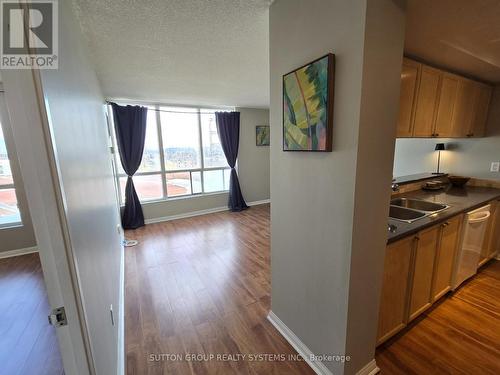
(182, 155)
(9, 211)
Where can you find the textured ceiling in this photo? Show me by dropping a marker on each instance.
(461, 35)
(211, 52)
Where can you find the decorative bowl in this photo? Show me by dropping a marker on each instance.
(458, 180)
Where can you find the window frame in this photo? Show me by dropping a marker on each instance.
(156, 107)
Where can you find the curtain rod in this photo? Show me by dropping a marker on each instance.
(191, 113)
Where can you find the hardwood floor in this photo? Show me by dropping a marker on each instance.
(28, 344)
(461, 335)
(202, 286)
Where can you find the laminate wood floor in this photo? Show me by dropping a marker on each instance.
(28, 344)
(201, 286)
(461, 335)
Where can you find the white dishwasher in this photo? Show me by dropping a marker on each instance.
(475, 223)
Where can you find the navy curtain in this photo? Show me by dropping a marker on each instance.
(130, 129)
(228, 127)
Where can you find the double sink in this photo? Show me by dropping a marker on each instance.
(409, 210)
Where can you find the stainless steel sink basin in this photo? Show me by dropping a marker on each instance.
(419, 205)
(405, 214)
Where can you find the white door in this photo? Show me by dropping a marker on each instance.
(36, 161)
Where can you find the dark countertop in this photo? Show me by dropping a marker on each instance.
(402, 180)
(462, 199)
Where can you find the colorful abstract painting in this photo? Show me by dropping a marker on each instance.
(308, 106)
(262, 135)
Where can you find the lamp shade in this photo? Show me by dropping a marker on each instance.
(439, 147)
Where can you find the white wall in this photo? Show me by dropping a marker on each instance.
(382, 59)
(319, 279)
(253, 161)
(413, 156)
(467, 157)
(253, 173)
(79, 133)
(181, 206)
(18, 237)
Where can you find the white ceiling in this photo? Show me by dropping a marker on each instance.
(461, 35)
(209, 52)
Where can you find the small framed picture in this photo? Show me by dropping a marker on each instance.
(262, 135)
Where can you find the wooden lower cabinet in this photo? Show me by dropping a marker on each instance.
(490, 244)
(417, 272)
(393, 300)
(494, 239)
(445, 256)
(423, 266)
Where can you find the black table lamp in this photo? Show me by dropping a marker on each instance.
(439, 147)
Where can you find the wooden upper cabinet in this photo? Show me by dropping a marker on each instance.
(445, 256)
(478, 126)
(410, 74)
(426, 102)
(446, 105)
(420, 296)
(393, 299)
(465, 105)
(435, 103)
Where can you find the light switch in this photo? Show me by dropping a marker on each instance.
(495, 166)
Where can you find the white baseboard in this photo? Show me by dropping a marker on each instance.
(17, 252)
(121, 318)
(369, 369)
(256, 203)
(318, 367)
(185, 215)
(198, 213)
